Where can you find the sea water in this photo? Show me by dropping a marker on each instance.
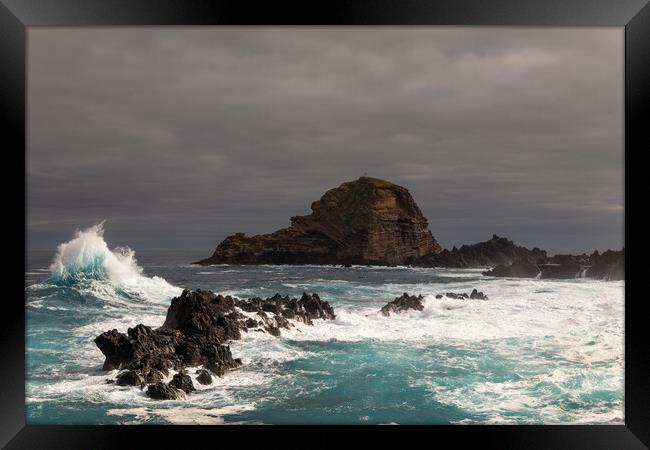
(537, 352)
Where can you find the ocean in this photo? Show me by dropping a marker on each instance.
(537, 352)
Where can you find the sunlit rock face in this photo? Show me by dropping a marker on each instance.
(367, 221)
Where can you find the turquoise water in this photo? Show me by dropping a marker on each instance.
(539, 351)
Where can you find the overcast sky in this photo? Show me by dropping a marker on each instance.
(179, 137)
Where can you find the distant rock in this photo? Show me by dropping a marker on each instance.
(374, 222)
(474, 295)
(367, 221)
(609, 265)
(564, 267)
(561, 271)
(497, 251)
(403, 303)
(411, 302)
(518, 269)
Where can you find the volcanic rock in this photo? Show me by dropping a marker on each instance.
(203, 376)
(476, 295)
(563, 266)
(197, 327)
(154, 376)
(367, 221)
(496, 251)
(183, 382)
(129, 378)
(204, 313)
(403, 303)
(609, 265)
(162, 391)
(308, 308)
(251, 323)
(518, 269)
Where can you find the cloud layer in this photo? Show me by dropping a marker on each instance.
(181, 136)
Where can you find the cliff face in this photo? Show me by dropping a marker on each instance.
(367, 221)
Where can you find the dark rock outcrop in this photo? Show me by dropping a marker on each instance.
(496, 251)
(474, 295)
(560, 271)
(204, 313)
(557, 267)
(197, 327)
(609, 265)
(367, 221)
(129, 378)
(154, 376)
(407, 302)
(518, 269)
(403, 303)
(203, 376)
(116, 347)
(564, 267)
(149, 354)
(162, 391)
(183, 382)
(308, 308)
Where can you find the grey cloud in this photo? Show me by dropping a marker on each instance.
(181, 136)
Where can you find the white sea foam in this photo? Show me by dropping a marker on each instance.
(534, 398)
(183, 416)
(521, 308)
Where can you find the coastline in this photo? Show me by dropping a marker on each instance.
(486, 329)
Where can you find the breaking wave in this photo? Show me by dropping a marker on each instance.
(86, 264)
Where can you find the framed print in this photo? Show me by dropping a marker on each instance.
(325, 219)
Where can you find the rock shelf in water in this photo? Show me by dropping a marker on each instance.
(195, 332)
(411, 302)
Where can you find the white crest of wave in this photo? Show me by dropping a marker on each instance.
(88, 257)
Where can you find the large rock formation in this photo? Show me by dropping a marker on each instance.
(367, 221)
(196, 329)
(496, 251)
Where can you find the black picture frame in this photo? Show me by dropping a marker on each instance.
(17, 15)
